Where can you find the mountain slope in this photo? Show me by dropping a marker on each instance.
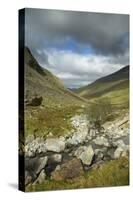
(56, 103)
(41, 82)
(115, 86)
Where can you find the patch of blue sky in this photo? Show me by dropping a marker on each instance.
(69, 44)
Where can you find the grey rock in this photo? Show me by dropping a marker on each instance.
(118, 152)
(122, 150)
(79, 151)
(55, 144)
(41, 164)
(41, 178)
(58, 167)
(100, 140)
(30, 154)
(85, 154)
(41, 148)
(80, 125)
(119, 143)
(35, 165)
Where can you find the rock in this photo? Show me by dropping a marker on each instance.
(40, 179)
(68, 170)
(35, 165)
(41, 164)
(101, 141)
(80, 124)
(119, 143)
(118, 153)
(55, 145)
(35, 146)
(57, 168)
(86, 154)
(78, 137)
(41, 148)
(56, 158)
(79, 151)
(37, 101)
(121, 151)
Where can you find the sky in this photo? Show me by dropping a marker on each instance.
(78, 47)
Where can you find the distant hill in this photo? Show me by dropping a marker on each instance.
(115, 86)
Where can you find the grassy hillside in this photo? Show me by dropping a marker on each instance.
(114, 86)
(58, 103)
(40, 81)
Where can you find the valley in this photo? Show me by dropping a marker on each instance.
(68, 141)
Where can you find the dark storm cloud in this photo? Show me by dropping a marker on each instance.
(106, 33)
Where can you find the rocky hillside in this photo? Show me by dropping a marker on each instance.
(115, 86)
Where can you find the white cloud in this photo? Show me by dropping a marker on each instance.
(77, 69)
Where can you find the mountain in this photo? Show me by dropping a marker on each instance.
(115, 86)
(41, 82)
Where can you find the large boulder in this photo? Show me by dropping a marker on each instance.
(68, 170)
(35, 165)
(55, 144)
(85, 154)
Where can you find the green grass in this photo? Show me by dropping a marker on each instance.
(43, 120)
(112, 173)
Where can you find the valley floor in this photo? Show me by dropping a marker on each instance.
(84, 158)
